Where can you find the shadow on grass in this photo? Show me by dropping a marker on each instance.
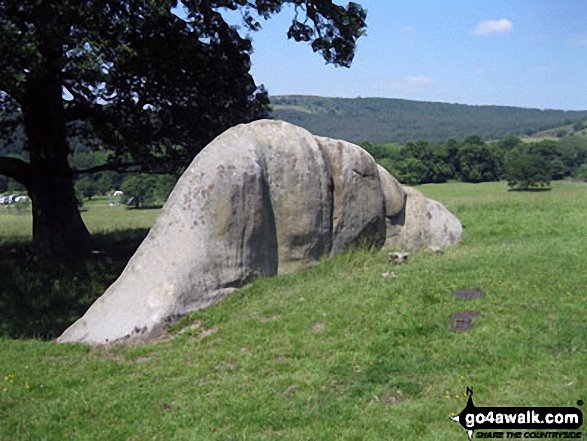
(41, 299)
(145, 207)
(531, 189)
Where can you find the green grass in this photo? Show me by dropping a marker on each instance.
(41, 298)
(336, 351)
(16, 223)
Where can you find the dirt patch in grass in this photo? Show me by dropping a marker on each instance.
(469, 294)
(463, 321)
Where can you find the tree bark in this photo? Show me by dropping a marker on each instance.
(58, 229)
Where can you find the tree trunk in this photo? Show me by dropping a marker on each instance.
(58, 229)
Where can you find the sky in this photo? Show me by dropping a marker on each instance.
(523, 53)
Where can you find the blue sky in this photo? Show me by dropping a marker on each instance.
(525, 53)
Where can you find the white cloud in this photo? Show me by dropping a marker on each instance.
(493, 27)
(578, 40)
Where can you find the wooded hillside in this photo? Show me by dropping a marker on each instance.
(382, 120)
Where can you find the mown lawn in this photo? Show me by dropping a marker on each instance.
(334, 352)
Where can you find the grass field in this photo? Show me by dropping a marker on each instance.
(333, 352)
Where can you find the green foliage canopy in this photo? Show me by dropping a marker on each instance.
(527, 170)
(136, 81)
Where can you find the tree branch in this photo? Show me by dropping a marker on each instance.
(107, 167)
(16, 169)
(121, 168)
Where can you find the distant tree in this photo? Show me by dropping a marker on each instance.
(86, 187)
(558, 169)
(412, 171)
(573, 153)
(133, 79)
(163, 186)
(529, 132)
(581, 172)
(549, 150)
(14, 186)
(383, 151)
(525, 171)
(106, 182)
(451, 149)
(508, 143)
(422, 150)
(476, 162)
(138, 188)
(433, 166)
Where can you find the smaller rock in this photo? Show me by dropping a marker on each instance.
(398, 258)
(435, 250)
(318, 327)
(426, 223)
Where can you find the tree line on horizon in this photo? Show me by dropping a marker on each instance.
(523, 165)
(383, 120)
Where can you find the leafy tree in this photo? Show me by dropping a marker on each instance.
(106, 182)
(421, 150)
(382, 151)
(451, 151)
(412, 171)
(477, 163)
(432, 165)
(573, 153)
(527, 170)
(558, 169)
(134, 80)
(581, 172)
(546, 149)
(163, 186)
(509, 143)
(86, 187)
(139, 188)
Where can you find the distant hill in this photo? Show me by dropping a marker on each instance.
(575, 130)
(382, 120)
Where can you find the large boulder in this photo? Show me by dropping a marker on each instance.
(261, 199)
(423, 223)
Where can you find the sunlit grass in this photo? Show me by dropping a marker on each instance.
(337, 351)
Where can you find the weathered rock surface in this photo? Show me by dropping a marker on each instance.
(261, 199)
(395, 199)
(425, 223)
